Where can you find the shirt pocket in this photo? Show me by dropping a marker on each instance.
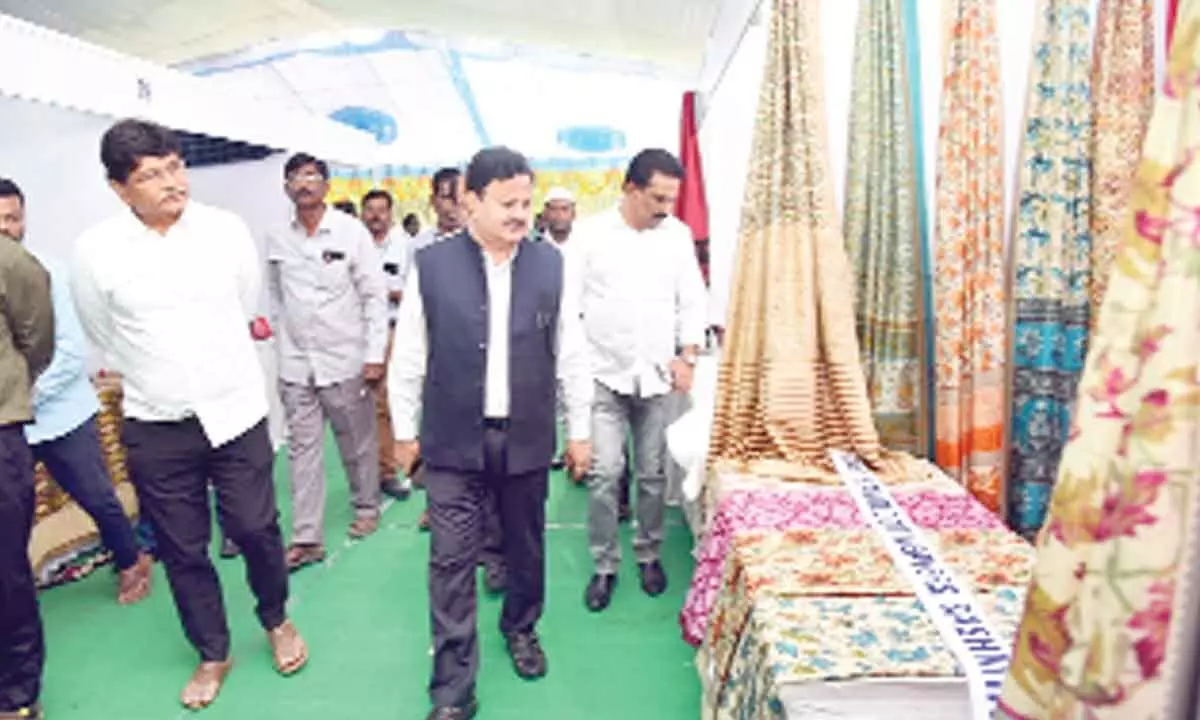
(333, 273)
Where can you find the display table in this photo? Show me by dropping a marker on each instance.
(779, 509)
(800, 611)
(65, 544)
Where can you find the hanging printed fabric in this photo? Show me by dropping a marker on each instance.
(1122, 98)
(791, 382)
(969, 282)
(1110, 626)
(1051, 256)
(883, 237)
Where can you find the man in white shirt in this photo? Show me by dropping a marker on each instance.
(643, 303)
(395, 258)
(485, 334)
(166, 293)
(328, 302)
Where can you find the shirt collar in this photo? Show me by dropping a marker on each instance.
(137, 228)
(324, 226)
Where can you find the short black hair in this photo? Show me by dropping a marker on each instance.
(443, 176)
(410, 218)
(495, 163)
(8, 188)
(377, 194)
(347, 207)
(645, 164)
(301, 159)
(125, 144)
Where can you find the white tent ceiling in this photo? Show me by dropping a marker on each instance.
(670, 33)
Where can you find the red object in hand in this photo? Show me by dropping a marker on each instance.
(260, 329)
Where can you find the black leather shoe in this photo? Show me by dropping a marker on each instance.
(528, 658)
(396, 490)
(654, 580)
(599, 592)
(495, 578)
(454, 712)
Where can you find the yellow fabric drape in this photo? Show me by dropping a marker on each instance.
(791, 381)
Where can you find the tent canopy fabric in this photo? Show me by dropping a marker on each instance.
(671, 33)
(428, 100)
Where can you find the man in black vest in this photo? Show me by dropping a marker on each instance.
(482, 341)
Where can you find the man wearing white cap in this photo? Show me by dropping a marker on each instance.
(559, 215)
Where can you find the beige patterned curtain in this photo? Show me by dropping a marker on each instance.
(791, 382)
(1122, 99)
(1102, 638)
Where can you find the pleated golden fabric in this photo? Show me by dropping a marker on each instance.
(791, 381)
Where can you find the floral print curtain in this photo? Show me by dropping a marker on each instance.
(1103, 636)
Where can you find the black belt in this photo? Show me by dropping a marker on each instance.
(495, 423)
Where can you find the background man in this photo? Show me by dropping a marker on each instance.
(26, 348)
(329, 308)
(394, 258)
(445, 195)
(64, 435)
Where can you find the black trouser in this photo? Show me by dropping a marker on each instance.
(491, 555)
(22, 653)
(76, 462)
(456, 523)
(172, 465)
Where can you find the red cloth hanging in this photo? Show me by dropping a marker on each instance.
(691, 207)
(1172, 13)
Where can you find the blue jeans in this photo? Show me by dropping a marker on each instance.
(77, 465)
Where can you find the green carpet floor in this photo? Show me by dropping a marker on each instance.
(365, 616)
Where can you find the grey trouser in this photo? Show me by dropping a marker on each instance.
(350, 408)
(614, 418)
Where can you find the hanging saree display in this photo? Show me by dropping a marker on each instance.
(1109, 631)
(791, 382)
(883, 237)
(1122, 98)
(1051, 257)
(969, 257)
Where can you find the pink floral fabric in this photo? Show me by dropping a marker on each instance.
(800, 508)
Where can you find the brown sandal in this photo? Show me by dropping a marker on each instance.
(205, 685)
(363, 526)
(289, 652)
(301, 555)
